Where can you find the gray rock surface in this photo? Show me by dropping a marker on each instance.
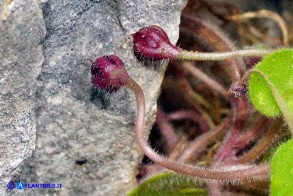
(85, 137)
(22, 29)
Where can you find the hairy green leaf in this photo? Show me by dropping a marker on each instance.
(271, 85)
(278, 68)
(168, 183)
(282, 170)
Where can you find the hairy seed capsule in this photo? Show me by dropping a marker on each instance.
(153, 42)
(108, 72)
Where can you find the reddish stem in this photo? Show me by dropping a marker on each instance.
(198, 145)
(270, 137)
(251, 135)
(166, 129)
(191, 115)
(251, 171)
(227, 150)
(194, 101)
(211, 83)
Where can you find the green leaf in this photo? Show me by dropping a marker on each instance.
(168, 183)
(271, 85)
(278, 69)
(282, 170)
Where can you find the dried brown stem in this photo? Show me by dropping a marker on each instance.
(265, 14)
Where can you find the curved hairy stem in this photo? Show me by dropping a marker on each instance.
(247, 172)
(215, 56)
(213, 38)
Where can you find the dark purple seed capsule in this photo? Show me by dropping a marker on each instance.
(108, 72)
(152, 42)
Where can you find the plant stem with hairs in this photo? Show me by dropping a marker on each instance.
(109, 71)
(251, 171)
